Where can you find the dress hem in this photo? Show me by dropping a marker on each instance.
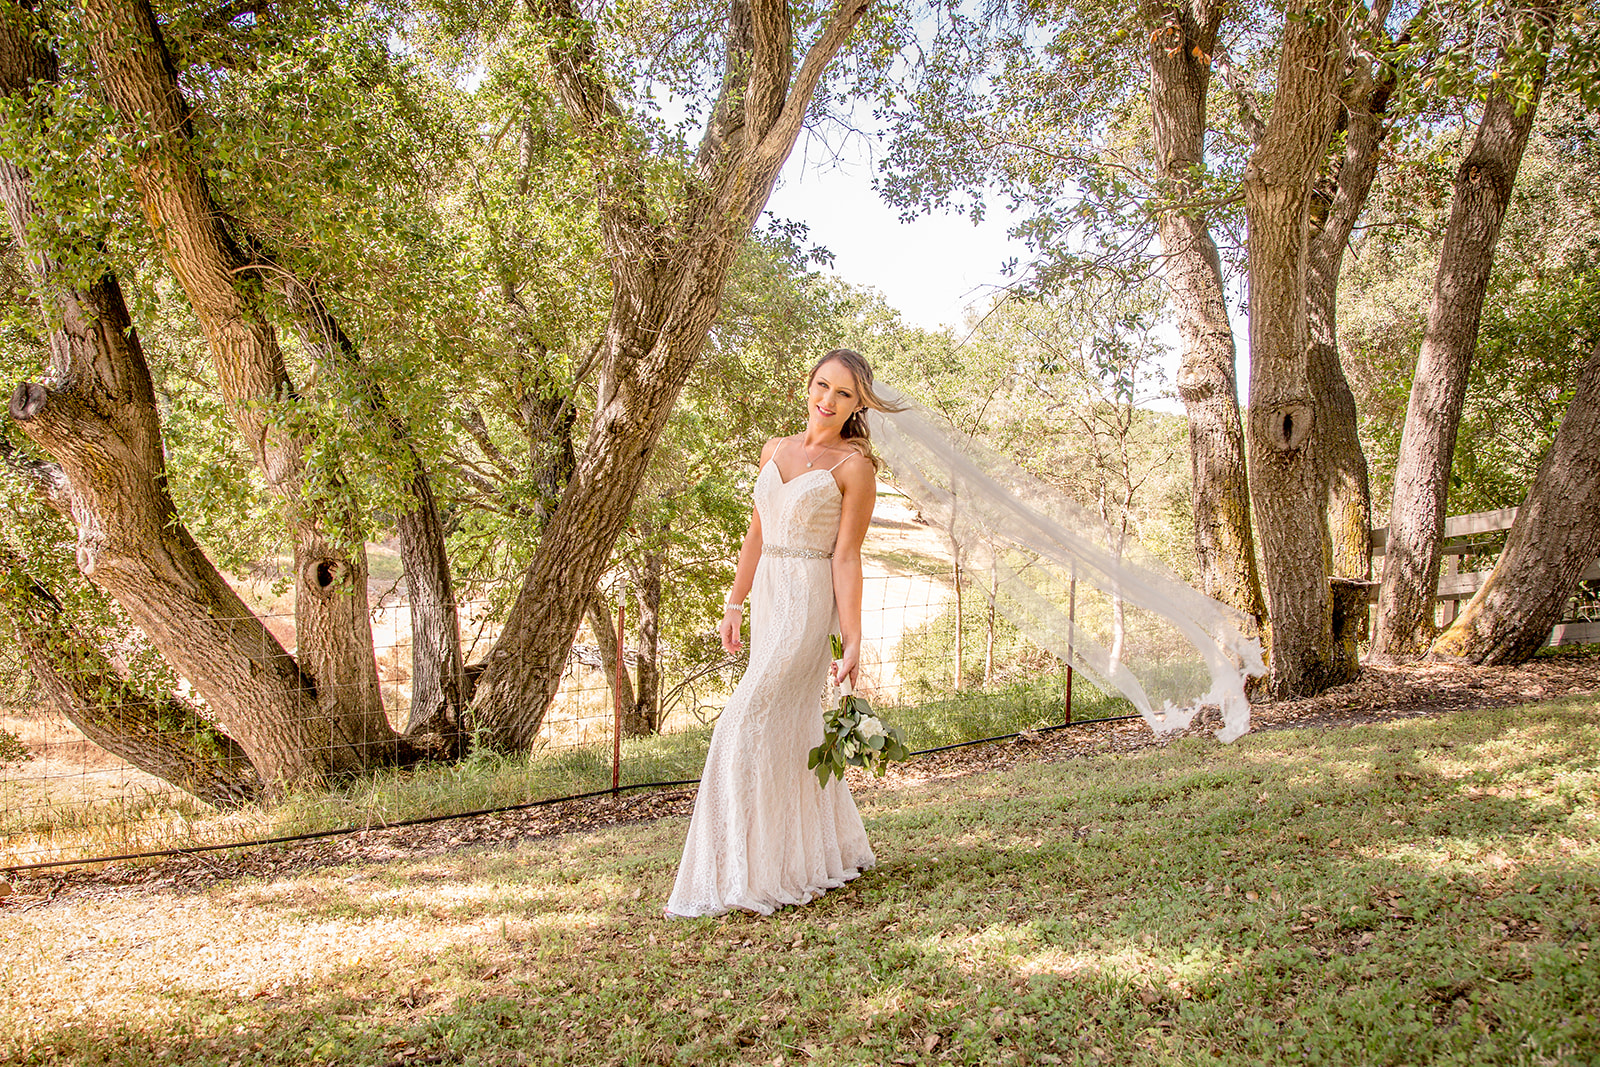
(767, 907)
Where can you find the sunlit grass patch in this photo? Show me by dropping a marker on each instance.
(1424, 892)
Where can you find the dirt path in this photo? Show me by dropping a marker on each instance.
(906, 583)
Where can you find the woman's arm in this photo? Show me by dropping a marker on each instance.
(858, 485)
(744, 574)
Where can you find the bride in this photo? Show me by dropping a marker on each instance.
(764, 834)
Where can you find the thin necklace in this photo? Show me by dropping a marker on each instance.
(807, 451)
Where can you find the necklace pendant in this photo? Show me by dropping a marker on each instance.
(808, 466)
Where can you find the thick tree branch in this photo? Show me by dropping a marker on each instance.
(668, 283)
(1249, 110)
(777, 142)
(137, 74)
(160, 734)
(771, 62)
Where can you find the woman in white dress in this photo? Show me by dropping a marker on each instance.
(764, 834)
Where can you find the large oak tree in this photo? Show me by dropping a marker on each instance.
(670, 226)
(669, 263)
(1483, 185)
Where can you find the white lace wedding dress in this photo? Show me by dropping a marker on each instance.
(763, 833)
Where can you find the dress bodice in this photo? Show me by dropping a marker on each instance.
(800, 513)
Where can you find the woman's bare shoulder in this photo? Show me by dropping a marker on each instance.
(857, 474)
(770, 449)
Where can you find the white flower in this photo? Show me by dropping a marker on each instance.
(871, 727)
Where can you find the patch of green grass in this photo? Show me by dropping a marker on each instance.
(1424, 892)
(1027, 705)
(1575, 651)
(12, 749)
(384, 566)
(43, 826)
(910, 563)
(489, 780)
(36, 825)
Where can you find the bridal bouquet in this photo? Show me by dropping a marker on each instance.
(853, 736)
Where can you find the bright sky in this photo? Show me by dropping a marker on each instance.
(929, 269)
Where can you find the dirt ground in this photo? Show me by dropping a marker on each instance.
(1378, 694)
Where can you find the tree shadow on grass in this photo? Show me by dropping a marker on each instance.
(1419, 892)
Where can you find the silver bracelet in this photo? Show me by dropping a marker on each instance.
(733, 607)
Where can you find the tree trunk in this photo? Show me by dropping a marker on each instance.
(548, 416)
(1119, 625)
(955, 579)
(643, 717)
(1179, 80)
(1422, 476)
(438, 680)
(1554, 539)
(605, 638)
(1342, 463)
(1286, 485)
(667, 281)
(161, 735)
(333, 627)
(96, 416)
(988, 630)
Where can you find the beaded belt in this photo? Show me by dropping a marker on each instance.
(794, 553)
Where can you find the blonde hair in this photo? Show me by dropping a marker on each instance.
(855, 431)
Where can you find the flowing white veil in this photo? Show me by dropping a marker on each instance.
(1059, 575)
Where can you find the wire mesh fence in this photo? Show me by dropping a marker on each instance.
(66, 798)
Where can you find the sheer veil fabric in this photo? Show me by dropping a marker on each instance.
(1060, 575)
(763, 834)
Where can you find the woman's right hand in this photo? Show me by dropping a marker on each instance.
(728, 630)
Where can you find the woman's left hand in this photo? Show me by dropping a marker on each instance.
(846, 666)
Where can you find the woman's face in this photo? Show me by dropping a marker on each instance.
(832, 395)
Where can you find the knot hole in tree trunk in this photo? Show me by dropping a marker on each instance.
(1350, 599)
(1289, 424)
(26, 400)
(326, 576)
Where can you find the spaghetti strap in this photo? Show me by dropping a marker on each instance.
(853, 454)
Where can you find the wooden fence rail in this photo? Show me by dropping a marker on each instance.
(1470, 535)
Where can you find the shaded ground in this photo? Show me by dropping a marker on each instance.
(1379, 694)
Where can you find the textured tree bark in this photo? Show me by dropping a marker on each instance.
(333, 630)
(1422, 476)
(988, 639)
(1286, 485)
(605, 638)
(161, 736)
(548, 416)
(1180, 76)
(643, 716)
(1342, 464)
(96, 415)
(667, 278)
(1555, 538)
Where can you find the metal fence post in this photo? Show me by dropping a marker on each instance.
(616, 723)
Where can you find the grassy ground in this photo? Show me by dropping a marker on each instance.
(489, 780)
(1420, 892)
(76, 802)
(51, 823)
